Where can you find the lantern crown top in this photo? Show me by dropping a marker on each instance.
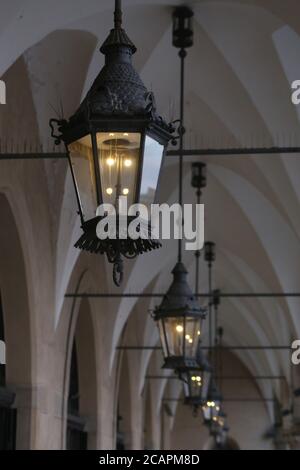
(213, 392)
(202, 361)
(179, 300)
(117, 36)
(118, 93)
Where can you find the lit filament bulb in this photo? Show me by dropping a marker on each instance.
(128, 163)
(179, 329)
(109, 191)
(110, 161)
(199, 333)
(125, 192)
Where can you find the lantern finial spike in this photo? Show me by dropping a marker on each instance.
(118, 14)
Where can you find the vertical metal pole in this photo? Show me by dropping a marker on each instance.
(197, 254)
(182, 55)
(118, 14)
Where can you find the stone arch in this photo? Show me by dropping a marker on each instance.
(124, 406)
(80, 334)
(17, 324)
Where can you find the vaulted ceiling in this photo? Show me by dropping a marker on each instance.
(246, 55)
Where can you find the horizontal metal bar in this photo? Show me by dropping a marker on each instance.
(228, 400)
(207, 348)
(267, 377)
(224, 295)
(234, 151)
(32, 156)
(188, 152)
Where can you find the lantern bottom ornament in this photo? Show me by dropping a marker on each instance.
(120, 246)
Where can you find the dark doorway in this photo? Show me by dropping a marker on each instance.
(8, 415)
(76, 435)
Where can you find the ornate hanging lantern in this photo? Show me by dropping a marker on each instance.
(115, 143)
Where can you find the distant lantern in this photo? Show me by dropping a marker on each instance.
(196, 381)
(115, 143)
(183, 34)
(179, 318)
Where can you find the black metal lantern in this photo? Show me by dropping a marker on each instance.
(183, 35)
(218, 426)
(212, 405)
(179, 319)
(116, 143)
(196, 381)
(199, 175)
(210, 252)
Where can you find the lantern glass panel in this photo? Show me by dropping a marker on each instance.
(180, 336)
(193, 385)
(171, 332)
(153, 155)
(119, 159)
(192, 336)
(196, 384)
(211, 410)
(81, 157)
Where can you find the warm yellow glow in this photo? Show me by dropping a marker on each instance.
(187, 336)
(199, 333)
(128, 163)
(110, 161)
(109, 191)
(111, 134)
(198, 379)
(214, 418)
(125, 192)
(212, 404)
(179, 329)
(190, 341)
(126, 134)
(194, 379)
(218, 408)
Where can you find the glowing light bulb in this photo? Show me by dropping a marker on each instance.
(111, 134)
(213, 404)
(199, 333)
(187, 336)
(179, 329)
(110, 161)
(218, 408)
(190, 341)
(194, 379)
(125, 192)
(128, 163)
(125, 134)
(109, 191)
(198, 379)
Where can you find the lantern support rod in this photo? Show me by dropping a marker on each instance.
(118, 14)
(182, 55)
